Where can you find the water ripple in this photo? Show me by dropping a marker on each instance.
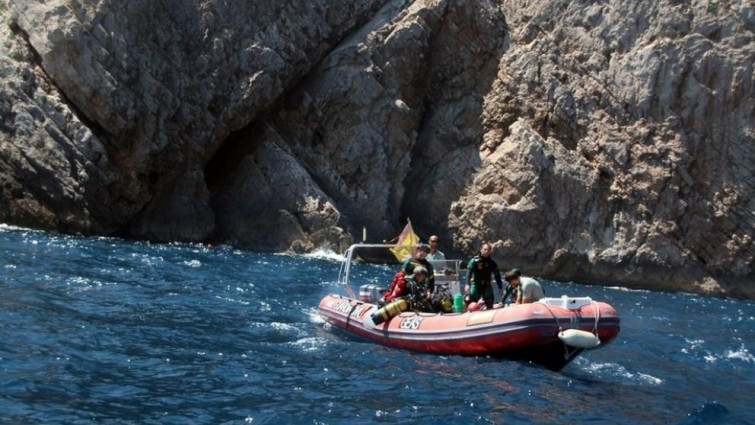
(101, 330)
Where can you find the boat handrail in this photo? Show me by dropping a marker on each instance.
(567, 302)
(348, 257)
(343, 274)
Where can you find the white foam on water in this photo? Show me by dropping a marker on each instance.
(324, 254)
(309, 344)
(150, 260)
(740, 354)
(695, 344)
(265, 306)
(650, 379)
(314, 315)
(623, 289)
(234, 300)
(283, 327)
(6, 227)
(620, 371)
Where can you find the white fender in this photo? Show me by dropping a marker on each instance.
(579, 339)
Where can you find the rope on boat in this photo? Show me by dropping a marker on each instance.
(554, 315)
(595, 308)
(577, 344)
(567, 354)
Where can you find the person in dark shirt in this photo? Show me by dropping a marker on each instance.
(417, 287)
(509, 290)
(420, 259)
(481, 271)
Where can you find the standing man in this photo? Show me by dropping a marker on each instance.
(481, 270)
(528, 290)
(435, 254)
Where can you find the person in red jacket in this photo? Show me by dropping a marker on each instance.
(398, 285)
(416, 287)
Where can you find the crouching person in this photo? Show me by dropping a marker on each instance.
(528, 290)
(420, 290)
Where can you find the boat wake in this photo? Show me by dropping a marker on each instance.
(314, 316)
(619, 371)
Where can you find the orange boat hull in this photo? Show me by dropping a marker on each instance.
(526, 331)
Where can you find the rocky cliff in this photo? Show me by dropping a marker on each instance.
(609, 142)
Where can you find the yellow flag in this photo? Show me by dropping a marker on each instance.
(406, 241)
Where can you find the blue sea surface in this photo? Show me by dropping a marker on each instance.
(102, 330)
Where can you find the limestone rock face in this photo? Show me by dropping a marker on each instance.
(627, 138)
(608, 142)
(160, 86)
(372, 112)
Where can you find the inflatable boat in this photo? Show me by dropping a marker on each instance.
(550, 332)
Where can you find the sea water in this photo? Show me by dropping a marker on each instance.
(101, 330)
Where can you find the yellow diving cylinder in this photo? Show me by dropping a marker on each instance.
(389, 311)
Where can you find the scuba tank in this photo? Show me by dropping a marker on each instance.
(389, 311)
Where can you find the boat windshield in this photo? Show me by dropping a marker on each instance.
(447, 272)
(355, 253)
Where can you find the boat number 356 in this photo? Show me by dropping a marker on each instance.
(411, 322)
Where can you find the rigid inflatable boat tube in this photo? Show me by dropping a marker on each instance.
(579, 339)
(389, 311)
